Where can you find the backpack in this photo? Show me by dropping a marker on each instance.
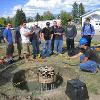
(90, 27)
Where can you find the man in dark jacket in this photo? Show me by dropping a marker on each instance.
(18, 41)
(70, 33)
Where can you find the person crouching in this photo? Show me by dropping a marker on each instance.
(88, 58)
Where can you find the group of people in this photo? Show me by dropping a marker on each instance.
(52, 38)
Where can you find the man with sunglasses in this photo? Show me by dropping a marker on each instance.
(7, 35)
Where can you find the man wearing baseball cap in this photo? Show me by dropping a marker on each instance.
(46, 36)
(88, 60)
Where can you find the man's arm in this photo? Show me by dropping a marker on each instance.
(93, 31)
(57, 33)
(82, 31)
(16, 31)
(51, 36)
(75, 31)
(42, 36)
(5, 36)
(28, 33)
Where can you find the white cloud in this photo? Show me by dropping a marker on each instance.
(34, 6)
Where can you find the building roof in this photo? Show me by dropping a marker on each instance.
(90, 12)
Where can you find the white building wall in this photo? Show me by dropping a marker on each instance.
(41, 24)
(94, 21)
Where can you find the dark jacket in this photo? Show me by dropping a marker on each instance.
(70, 31)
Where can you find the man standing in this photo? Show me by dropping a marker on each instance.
(53, 39)
(47, 36)
(70, 33)
(9, 43)
(89, 61)
(35, 38)
(25, 34)
(87, 31)
(58, 32)
(18, 40)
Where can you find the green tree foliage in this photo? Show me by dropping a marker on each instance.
(75, 12)
(81, 9)
(19, 17)
(48, 16)
(64, 16)
(2, 21)
(41, 18)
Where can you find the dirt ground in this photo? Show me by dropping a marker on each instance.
(65, 67)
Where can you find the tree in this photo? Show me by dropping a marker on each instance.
(75, 12)
(64, 16)
(19, 17)
(81, 9)
(30, 19)
(37, 17)
(48, 16)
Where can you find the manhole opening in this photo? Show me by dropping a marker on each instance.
(28, 80)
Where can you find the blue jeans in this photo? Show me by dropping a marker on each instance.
(88, 65)
(58, 46)
(46, 48)
(35, 45)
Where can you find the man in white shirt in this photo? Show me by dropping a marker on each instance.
(25, 34)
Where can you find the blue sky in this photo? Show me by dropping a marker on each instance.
(6, 6)
(31, 7)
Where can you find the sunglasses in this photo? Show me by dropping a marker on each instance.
(9, 25)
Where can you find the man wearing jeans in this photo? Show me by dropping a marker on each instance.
(53, 39)
(58, 32)
(35, 38)
(88, 60)
(46, 35)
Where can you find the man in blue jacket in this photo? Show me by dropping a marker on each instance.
(87, 31)
(7, 35)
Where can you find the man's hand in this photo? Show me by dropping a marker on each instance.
(6, 40)
(71, 38)
(58, 33)
(85, 59)
(92, 36)
(81, 35)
